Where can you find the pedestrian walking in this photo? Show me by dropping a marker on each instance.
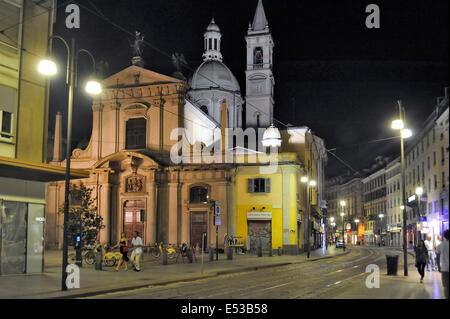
(137, 251)
(421, 258)
(123, 246)
(442, 250)
(430, 249)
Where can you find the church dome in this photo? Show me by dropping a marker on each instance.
(213, 26)
(213, 74)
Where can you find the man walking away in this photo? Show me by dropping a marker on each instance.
(429, 246)
(421, 258)
(137, 251)
(442, 250)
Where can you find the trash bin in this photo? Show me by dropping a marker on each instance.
(392, 265)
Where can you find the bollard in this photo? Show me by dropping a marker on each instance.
(230, 253)
(211, 254)
(259, 251)
(189, 255)
(98, 259)
(164, 257)
(270, 252)
(279, 251)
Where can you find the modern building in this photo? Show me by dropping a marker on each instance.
(23, 137)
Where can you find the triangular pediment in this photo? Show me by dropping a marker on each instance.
(135, 75)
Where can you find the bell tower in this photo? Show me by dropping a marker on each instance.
(259, 77)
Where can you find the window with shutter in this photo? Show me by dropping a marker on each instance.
(267, 182)
(251, 186)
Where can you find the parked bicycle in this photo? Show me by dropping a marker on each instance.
(87, 253)
(157, 249)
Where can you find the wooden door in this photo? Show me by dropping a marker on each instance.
(134, 216)
(199, 225)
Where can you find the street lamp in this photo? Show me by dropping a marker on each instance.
(399, 124)
(271, 137)
(357, 231)
(381, 226)
(309, 183)
(419, 192)
(48, 67)
(343, 204)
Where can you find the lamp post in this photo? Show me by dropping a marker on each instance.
(343, 204)
(381, 226)
(48, 67)
(404, 133)
(309, 183)
(357, 231)
(332, 224)
(419, 192)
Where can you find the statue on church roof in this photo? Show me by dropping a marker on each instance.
(178, 60)
(138, 44)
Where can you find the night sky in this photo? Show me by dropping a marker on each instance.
(332, 74)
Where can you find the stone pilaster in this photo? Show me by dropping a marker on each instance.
(173, 213)
(150, 230)
(105, 212)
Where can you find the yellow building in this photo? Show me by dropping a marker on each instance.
(271, 206)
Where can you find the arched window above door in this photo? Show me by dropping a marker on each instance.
(198, 194)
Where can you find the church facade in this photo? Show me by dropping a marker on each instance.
(141, 117)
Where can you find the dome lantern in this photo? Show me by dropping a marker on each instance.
(212, 38)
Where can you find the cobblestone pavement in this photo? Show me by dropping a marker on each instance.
(48, 284)
(339, 277)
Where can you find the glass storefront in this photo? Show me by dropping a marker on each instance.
(21, 237)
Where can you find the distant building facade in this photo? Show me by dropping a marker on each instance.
(394, 218)
(426, 166)
(375, 209)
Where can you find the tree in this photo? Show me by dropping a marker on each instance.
(83, 217)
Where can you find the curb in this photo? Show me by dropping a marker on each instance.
(212, 275)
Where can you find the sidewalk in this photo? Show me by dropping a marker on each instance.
(400, 286)
(48, 284)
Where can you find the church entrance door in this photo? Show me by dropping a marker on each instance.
(134, 217)
(199, 225)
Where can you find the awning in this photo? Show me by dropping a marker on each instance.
(34, 171)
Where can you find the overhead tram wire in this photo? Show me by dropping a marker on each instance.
(34, 16)
(343, 162)
(364, 143)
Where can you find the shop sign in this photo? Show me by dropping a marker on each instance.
(425, 230)
(259, 215)
(411, 198)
